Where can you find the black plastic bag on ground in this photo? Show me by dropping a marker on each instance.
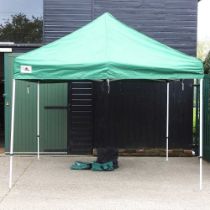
(107, 154)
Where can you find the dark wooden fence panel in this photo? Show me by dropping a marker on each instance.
(80, 117)
(181, 103)
(135, 111)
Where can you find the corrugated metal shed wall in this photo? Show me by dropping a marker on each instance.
(1, 96)
(171, 22)
(25, 110)
(25, 117)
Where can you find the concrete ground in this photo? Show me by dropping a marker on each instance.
(141, 183)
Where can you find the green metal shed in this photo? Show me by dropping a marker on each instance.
(206, 140)
(53, 122)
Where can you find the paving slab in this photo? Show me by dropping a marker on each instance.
(141, 183)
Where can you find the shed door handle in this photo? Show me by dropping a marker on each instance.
(57, 107)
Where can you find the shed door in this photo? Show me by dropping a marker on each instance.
(53, 117)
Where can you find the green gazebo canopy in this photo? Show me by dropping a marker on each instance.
(106, 49)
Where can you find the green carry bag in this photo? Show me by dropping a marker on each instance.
(108, 166)
(78, 165)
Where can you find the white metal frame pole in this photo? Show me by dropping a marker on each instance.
(12, 134)
(201, 134)
(167, 121)
(38, 121)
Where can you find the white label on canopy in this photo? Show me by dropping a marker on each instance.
(26, 69)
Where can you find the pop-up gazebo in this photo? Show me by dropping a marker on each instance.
(106, 49)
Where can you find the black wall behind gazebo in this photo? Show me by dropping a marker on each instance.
(171, 22)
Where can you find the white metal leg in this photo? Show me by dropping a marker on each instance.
(12, 134)
(167, 121)
(38, 120)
